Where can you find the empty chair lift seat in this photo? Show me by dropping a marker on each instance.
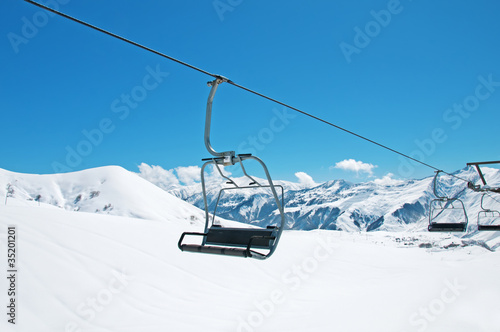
(446, 214)
(232, 241)
(258, 243)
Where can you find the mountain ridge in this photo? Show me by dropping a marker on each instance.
(389, 205)
(342, 205)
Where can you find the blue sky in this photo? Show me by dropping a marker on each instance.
(422, 77)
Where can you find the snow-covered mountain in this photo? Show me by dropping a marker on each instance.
(105, 190)
(388, 205)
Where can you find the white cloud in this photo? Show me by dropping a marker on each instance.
(188, 175)
(355, 166)
(179, 176)
(387, 180)
(163, 178)
(305, 179)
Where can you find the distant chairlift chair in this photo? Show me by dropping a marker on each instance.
(487, 219)
(258, 243)
(451, 210)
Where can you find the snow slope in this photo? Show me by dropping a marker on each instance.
(97, 272)
(106, 190)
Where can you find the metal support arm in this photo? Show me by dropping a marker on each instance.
(227, 155)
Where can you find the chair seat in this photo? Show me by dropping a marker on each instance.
(447, 227)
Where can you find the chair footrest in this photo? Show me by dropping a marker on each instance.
(215, 250)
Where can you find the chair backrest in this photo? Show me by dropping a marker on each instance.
(447, 211)
(262, 238)
(488, 217)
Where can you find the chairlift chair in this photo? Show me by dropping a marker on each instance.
(252, 242)
(452, 210)
(487, 219)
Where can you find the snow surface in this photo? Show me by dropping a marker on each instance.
(87, 271)
(316, 281)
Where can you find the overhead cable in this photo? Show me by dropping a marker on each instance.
(236, 85)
